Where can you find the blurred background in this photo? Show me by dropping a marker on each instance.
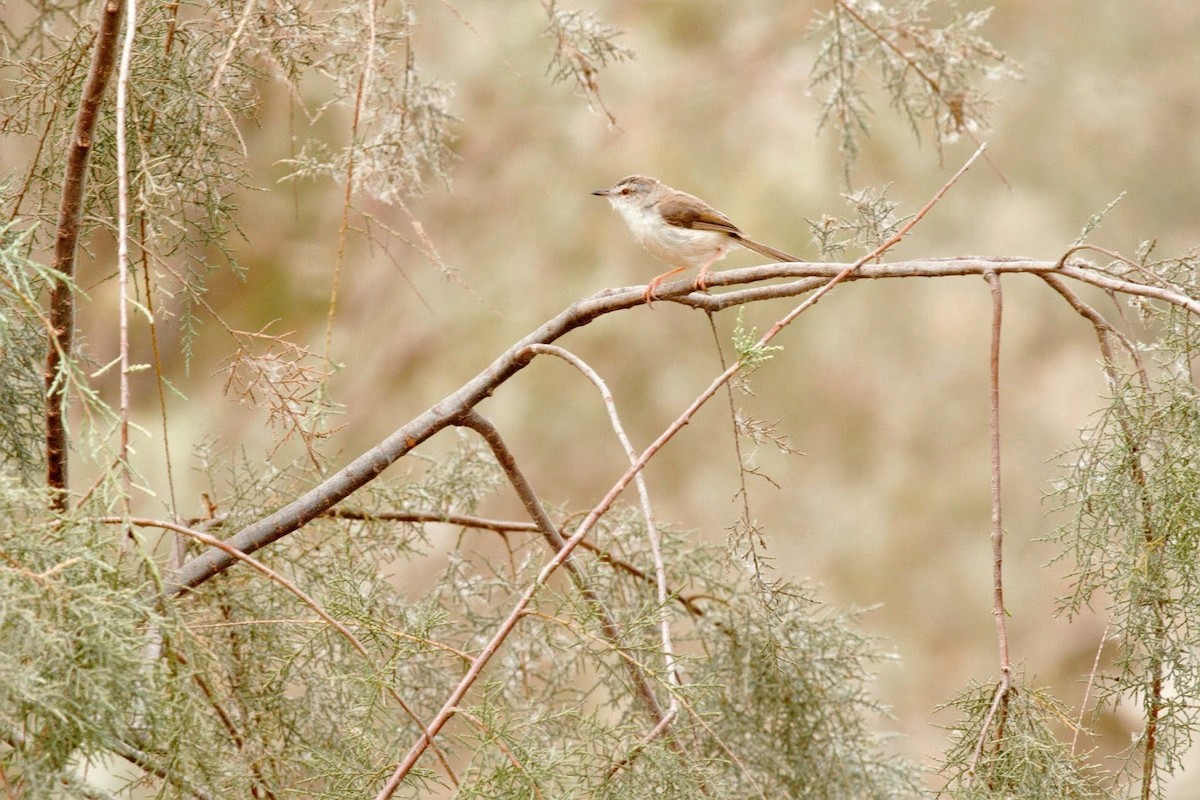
(883, 386)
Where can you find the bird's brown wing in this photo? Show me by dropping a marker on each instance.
(685, 211)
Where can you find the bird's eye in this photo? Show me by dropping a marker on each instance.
(626, 190)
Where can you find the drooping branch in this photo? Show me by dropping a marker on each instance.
(66, 240)
(998, 712)
(805, 277)
(533, 505)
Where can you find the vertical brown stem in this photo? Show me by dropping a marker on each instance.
(998, 609)
(70, 214)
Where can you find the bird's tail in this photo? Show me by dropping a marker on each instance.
(769, 252)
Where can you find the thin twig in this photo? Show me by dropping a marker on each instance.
(1104, 330)
(1000, 700)
(360, 95)
(929, 80)
(507, 526)
(660, 573)
(504, 748)
(214, 86)
(652, 532)
(1091, 682)
(123, 260)
(424, 517)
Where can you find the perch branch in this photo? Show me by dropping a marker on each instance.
(370, 464)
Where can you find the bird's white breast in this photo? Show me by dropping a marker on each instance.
(679, 247)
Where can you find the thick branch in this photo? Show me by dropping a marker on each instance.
(371, 463)
(70, 214)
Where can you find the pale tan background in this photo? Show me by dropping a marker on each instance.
(884, 387)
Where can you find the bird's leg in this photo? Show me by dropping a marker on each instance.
(656, 282)
(702, 278)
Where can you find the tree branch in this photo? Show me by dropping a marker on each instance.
(66, 239)
(608, 623)
(370, 464)
(999, 707)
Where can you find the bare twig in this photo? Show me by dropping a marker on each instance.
(123, 258)
(1091, 682)
(70, 214)
(360, 96)
(660, 574)
(998, 609)
(1000, 700)
(425, 517)
(1104, 331)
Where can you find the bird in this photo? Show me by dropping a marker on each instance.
(679, 229)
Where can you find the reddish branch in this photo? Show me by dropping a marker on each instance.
(70, 215)
(997, 520)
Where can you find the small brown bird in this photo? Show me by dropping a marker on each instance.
(679, 229)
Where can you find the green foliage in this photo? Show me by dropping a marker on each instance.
(75, 682)
(787, 692)
(750, 354)
(872, 223)
(1020, 755)
(931, 74)
(583, 45)
(240, 691)
(22, 351)
(1134, 538)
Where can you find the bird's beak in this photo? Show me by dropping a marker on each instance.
(602, 192)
